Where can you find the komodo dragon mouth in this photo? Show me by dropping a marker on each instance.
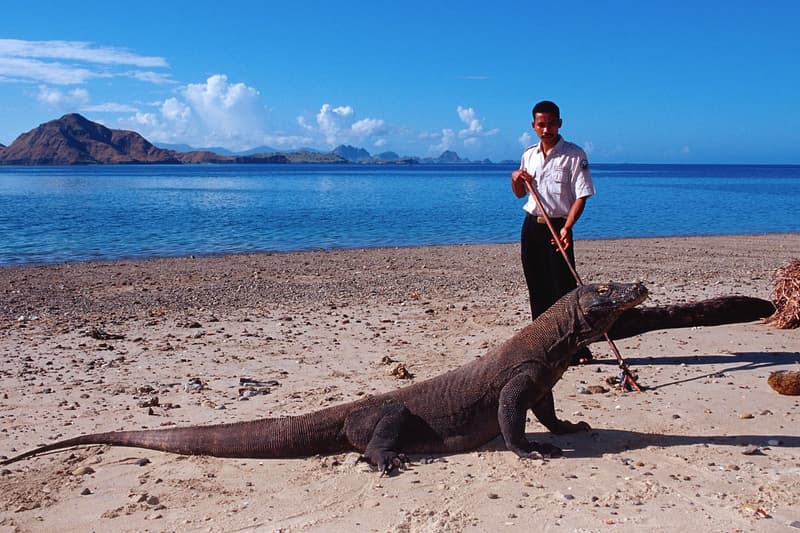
(603, 301)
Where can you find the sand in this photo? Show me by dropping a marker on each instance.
(708, 446)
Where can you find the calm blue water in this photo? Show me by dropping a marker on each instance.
(61, 214)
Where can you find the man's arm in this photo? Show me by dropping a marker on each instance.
(574, 214)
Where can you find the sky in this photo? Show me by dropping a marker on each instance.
(637, 82)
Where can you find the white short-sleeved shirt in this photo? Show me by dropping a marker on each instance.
(559, 179)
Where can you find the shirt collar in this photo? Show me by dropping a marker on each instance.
(556, 149)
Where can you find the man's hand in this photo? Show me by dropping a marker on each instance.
(565, 237)
(518, 179)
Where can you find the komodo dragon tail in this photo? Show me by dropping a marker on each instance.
(298, 436)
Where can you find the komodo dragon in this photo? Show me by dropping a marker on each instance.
(454, 412)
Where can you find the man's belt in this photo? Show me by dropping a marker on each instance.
(541, 220)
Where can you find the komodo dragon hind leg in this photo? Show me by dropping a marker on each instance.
(383, 427)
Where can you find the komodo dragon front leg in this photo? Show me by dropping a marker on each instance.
(545, 412)
(517, 396)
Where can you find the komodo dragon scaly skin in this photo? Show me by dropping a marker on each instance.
(454, 412)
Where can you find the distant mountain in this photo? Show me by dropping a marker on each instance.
(185, 148)
(448, 157)
(219, 150)
(251, 151)
(351, 153)
(387, 156)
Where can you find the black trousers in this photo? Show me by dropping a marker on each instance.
(546, 273)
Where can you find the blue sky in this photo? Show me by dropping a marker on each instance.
(648, 82)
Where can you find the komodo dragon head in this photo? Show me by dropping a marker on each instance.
(602, 304)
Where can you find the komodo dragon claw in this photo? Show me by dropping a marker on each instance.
(545, 450)
(396, 463)
(388, 463)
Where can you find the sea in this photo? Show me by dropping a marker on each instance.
(51, 215)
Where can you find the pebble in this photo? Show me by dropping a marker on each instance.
(752, 450)
(195, 385)
(83, 471)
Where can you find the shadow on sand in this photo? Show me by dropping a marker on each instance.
(745, 361)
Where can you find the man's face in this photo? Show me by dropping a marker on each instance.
(546, 127)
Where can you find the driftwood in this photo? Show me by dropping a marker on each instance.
(711, 312)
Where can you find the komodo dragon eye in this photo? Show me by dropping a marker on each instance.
(603, 290)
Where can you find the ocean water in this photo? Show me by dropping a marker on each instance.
(67, 214)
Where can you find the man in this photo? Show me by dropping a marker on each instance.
(559, 172)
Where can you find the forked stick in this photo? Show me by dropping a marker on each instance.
(627, 377)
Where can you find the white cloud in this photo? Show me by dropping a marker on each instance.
(77, 51)
(215, 112)
(474, 130)
(470, 136)
(344, 111)
(288, 142)
(175, 110)
(588, 147)
(60, 100)
(447, 138)
(109, 107)
(16, 69)
(366, 127)
(526, 139)
(337, 126)
(156, 78)
(71, 62)
(77, 100)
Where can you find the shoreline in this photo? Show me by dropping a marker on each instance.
(319, 325)
(216, 255)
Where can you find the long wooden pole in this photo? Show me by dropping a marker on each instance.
(627, 377)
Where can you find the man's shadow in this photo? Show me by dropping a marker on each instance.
(600, 441)
(744, 361)
(597, 442)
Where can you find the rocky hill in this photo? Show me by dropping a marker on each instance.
(76, 140)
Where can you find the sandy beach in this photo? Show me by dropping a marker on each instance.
(147, 344)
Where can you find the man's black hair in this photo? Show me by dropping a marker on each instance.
(546, 106)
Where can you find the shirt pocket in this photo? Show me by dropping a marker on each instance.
(557, 181)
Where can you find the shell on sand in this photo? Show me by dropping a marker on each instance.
(785, 382)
